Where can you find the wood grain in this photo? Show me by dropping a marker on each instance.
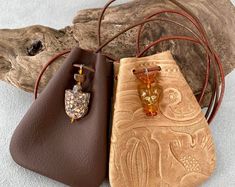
(23, 52)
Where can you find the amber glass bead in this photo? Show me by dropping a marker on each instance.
(149, 93)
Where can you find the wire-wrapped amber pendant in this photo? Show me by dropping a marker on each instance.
(149, 92)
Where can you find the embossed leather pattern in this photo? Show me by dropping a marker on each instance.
(172, 149)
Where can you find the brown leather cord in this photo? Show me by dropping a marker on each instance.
(100, 20)
(188, 17)
(205, 84)
(191, 17)
(177, 38)
(218, 104)
(167, 11)
(185, 15)
(201, 38)
(53, 59)
(214, 97)
(197, 36)
(128, 28)
(62, 53)
(218, 100)
(215, 109)
(138, 24)
(151, 69)
(216, 57)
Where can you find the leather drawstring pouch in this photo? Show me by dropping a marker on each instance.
(160, 136)
(48, 143)
(64, 134)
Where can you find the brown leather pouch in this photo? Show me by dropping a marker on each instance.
(46, 142)
(76, 154)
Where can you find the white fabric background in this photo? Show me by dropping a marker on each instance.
(14, 102)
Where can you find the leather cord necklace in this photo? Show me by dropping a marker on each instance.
(217, 93)
(212, 59)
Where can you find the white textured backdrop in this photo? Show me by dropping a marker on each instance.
(14, 102)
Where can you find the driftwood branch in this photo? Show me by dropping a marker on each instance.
(23, 52)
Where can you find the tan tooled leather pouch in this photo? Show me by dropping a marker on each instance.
(160, 136)
(172, 148)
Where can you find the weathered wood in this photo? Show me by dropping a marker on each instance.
(24, 51)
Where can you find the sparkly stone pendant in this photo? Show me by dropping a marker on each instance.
(76, 101)
(149, 92)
